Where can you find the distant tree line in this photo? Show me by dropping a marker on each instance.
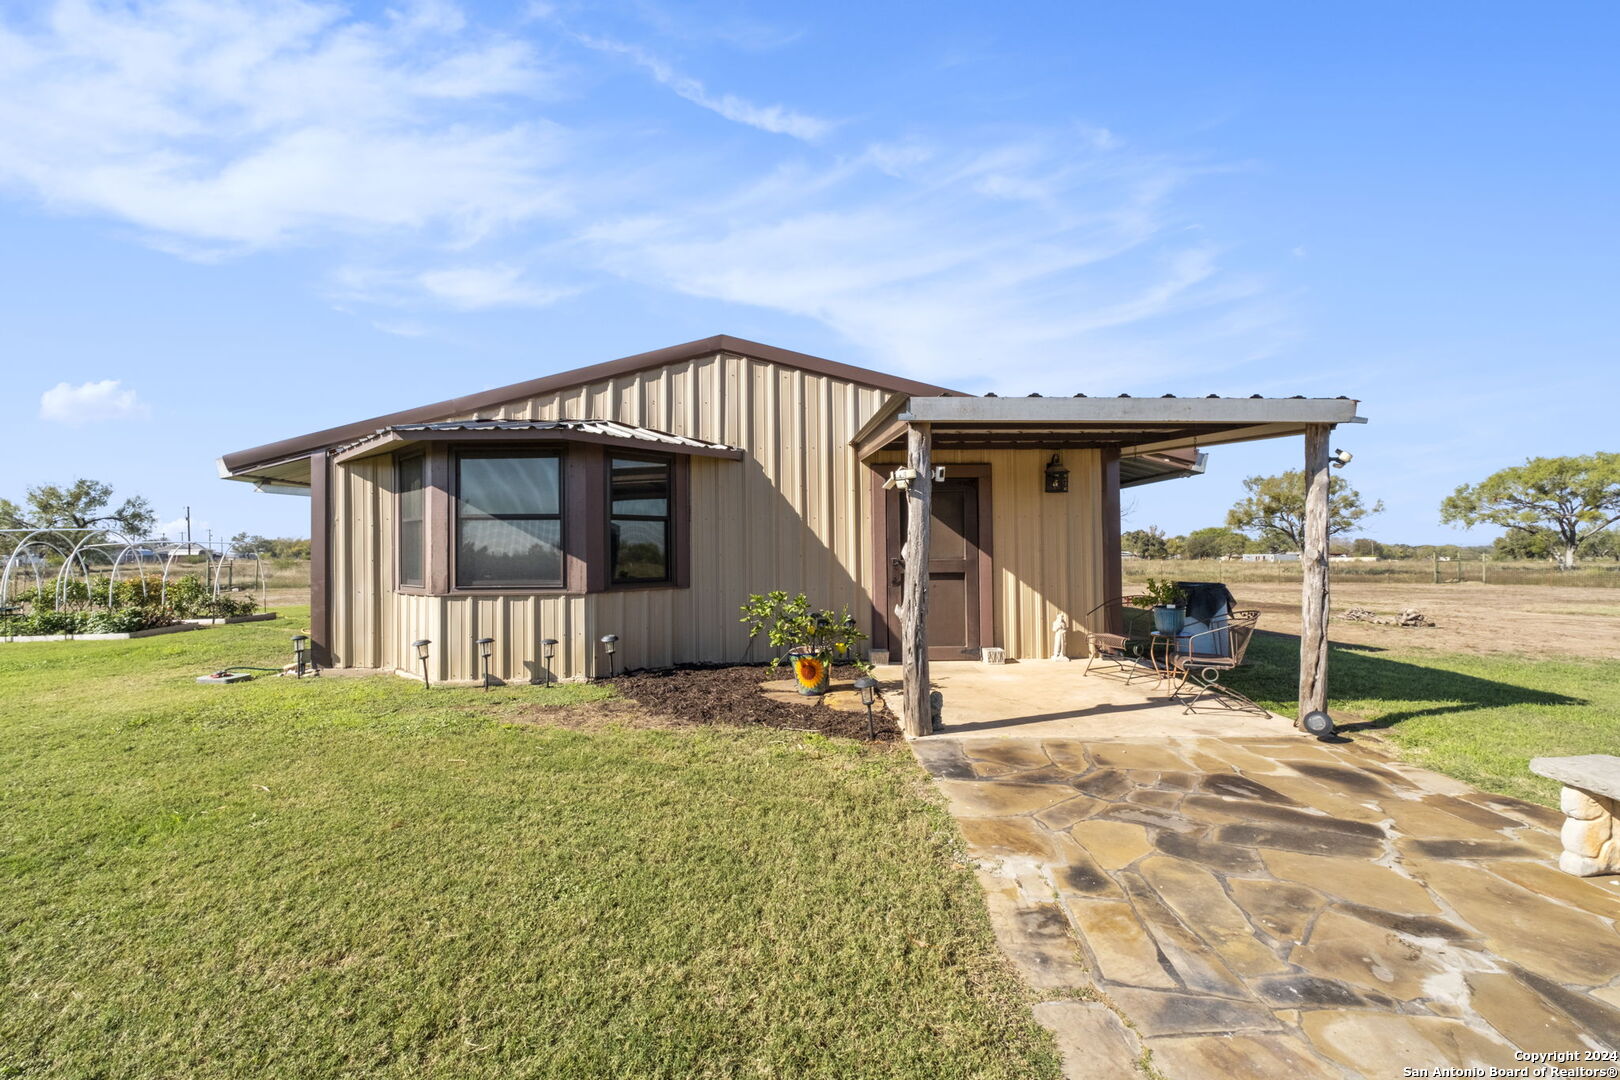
(1559, 509)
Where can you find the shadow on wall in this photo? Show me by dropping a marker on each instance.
(1359, 673)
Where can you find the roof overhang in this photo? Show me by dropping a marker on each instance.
(1133, 426)
(602, 432)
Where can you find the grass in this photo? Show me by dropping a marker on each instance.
(354, 877)
(1477, 718)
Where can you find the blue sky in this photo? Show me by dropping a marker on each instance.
(222, 224)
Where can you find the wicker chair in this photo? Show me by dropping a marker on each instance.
(1203, 669)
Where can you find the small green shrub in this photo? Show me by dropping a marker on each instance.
(791, 623)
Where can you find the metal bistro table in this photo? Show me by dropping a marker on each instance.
(1161, 651)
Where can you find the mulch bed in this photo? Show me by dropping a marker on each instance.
(730, 695)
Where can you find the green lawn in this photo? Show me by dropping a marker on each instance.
(1478, 718)
(360, 878)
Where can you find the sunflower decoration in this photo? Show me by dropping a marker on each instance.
(811, 672)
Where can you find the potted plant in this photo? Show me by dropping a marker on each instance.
(813, 639)
(1164, 599)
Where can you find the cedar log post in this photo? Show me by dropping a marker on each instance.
(1313, 640)
(916, 714)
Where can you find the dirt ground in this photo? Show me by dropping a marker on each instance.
(1546, 621)
(732, 695)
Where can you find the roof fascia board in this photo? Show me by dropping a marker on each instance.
(241, 460)
(945, 410)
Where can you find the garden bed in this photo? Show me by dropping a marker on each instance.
(152, 631)
(703, 695)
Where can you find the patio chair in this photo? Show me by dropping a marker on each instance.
(1208, 654)
(1110, 652)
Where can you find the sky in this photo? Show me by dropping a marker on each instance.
(224, 223)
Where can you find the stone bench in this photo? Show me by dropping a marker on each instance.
(1589, 801)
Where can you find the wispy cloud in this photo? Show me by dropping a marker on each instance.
(472, 288)
(91, 403)
(246, 125)
(777, 119)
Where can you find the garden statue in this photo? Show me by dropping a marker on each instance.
(1060, 637)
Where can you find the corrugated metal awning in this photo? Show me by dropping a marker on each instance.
(608, 432)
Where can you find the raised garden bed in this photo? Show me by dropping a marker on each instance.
(176, 628)
(698, 694)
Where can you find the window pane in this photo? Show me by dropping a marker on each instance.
(508, 485)
(411, 538)
(509, 553)
(640, 487)
(640, 551)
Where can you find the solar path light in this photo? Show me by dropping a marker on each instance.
(486, 649)
(610, 643)
(868, 690)
(548, 649)
(421, 648)
(300, 645)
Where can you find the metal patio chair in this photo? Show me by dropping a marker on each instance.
(1111, 653)
(1208, 655)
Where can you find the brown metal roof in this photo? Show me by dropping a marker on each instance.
(610, 432)
(247, 461)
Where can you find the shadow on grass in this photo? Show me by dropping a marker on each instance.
(1358, 673)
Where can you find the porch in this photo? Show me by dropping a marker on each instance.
(1051, 699)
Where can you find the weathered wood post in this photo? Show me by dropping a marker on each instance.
(1313, 640)
(917, 715)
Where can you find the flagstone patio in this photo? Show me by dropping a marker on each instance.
(1276, 906)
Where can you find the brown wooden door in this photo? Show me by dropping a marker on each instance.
(955, 568)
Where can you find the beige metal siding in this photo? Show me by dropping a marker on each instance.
(790, 515)
(1046, 550)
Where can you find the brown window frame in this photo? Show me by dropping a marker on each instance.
(558, 454)
(403, 461)
(586, 479)
(668, 517)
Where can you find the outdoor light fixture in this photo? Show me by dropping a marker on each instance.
(1340, 458)
(610, 642)
(300, 654)
(1320, 724)
(1057, 477)
(421, 648)
(486, 649)
(548, 649)
(900, 478)
(868, 688)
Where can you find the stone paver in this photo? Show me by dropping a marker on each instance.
(1270, 906)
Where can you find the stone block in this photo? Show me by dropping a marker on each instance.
(1586, 838)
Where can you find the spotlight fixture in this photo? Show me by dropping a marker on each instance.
(1319, 723)
(486, 649)
(1340, 458)
(421, 648)
(548, 649)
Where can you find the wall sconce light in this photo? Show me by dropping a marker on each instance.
(1340, 458)
(1057, 477)
(610, 642)
(486, 649)
(868, 690)
(300, 643)
(421, 648)
(548, 649)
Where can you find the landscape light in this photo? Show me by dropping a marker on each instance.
(300, 643)
(1320, 724)
(486, 649)
(548, 649)
(868, 689)
(421, 648)
(610, 642)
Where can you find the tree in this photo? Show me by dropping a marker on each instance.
(1145, 543)
(84, 504)
(1366, 545)
(1214, 542)
(1275, 509)
(1568, 499)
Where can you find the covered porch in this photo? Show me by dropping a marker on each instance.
(1129, 440)
(1043, 700)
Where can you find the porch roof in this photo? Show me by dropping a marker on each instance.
(1134, 426)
